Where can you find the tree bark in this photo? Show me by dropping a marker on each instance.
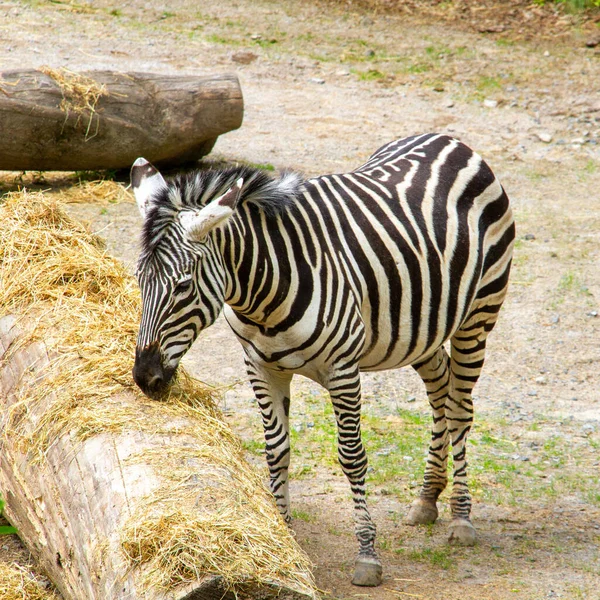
(170, 121)
(70, 508)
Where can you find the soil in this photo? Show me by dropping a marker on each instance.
(324, 86)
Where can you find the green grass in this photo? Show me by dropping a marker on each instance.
(370, 75)
(573, 6)
(438, 557)
(5, 529)
(302, 515)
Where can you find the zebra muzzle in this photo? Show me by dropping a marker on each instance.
(149, 373)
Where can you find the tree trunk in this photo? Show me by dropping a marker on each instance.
(70, 507)
(64, 121)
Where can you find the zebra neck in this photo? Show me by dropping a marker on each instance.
(266, 276)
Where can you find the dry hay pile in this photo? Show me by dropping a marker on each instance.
(16, 583)
(85, 307)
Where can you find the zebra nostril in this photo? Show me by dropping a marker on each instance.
(155, 382)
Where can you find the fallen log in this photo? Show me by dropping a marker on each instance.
(118, 497)
(59, 120)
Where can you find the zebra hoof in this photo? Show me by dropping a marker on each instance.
(422, 512)
(462, 533)
(367, 571)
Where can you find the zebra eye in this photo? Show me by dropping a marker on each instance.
(183, 286)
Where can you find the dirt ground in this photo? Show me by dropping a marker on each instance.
(324, 86)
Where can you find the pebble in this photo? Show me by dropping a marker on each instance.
(542, 380)
(592, 313)
(520, 457)
(529, 237)
(544, 137)
(449, 103)
(244, 57)
(532, 393)
(411, 399)
(317, 80)
(490, 103)
(588, 428)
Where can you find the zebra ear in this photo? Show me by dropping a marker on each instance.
(198, 223)
(146, 181)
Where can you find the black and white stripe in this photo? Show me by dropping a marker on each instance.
(368, 270)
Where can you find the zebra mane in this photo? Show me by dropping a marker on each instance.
(199, 188)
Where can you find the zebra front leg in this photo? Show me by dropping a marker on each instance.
(435, 374)
(272, 391)
(344, 388)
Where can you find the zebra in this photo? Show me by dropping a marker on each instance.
(372, 269)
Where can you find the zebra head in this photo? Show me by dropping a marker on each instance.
(179, 271)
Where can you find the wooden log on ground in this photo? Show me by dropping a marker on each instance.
(54, 119)
(117, 496)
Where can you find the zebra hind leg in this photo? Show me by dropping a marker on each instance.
(467, 358)
(345, 391)
(272, 391)
(435, 374)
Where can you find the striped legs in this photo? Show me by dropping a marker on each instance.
(467, 357)
(435, 374)
(272, 391)
(345, 391)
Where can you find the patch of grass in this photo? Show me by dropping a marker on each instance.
(265, 43)
(573, 6)
(215, 38)
(505, 42)
(488, 84)
(438, 557)
(418, 67)
(302, 515)
(256, 447)
(262, 166)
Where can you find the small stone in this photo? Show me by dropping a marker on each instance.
(244, 57)
(490, 103)
(317, 80)
(411, 399)
(342, 73)
(529, 236)
(546, 53)
(438, 87)
(593, 41)
(545, 137)
(310, 424)
(520, 457)
(592, 313)
(532, 393)
(256, 36)
(408, 458)
(369, 53)
(588, 428)
(578, 141)
(555, 319)
(492, 29)
(449, 103)
(542, 380)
